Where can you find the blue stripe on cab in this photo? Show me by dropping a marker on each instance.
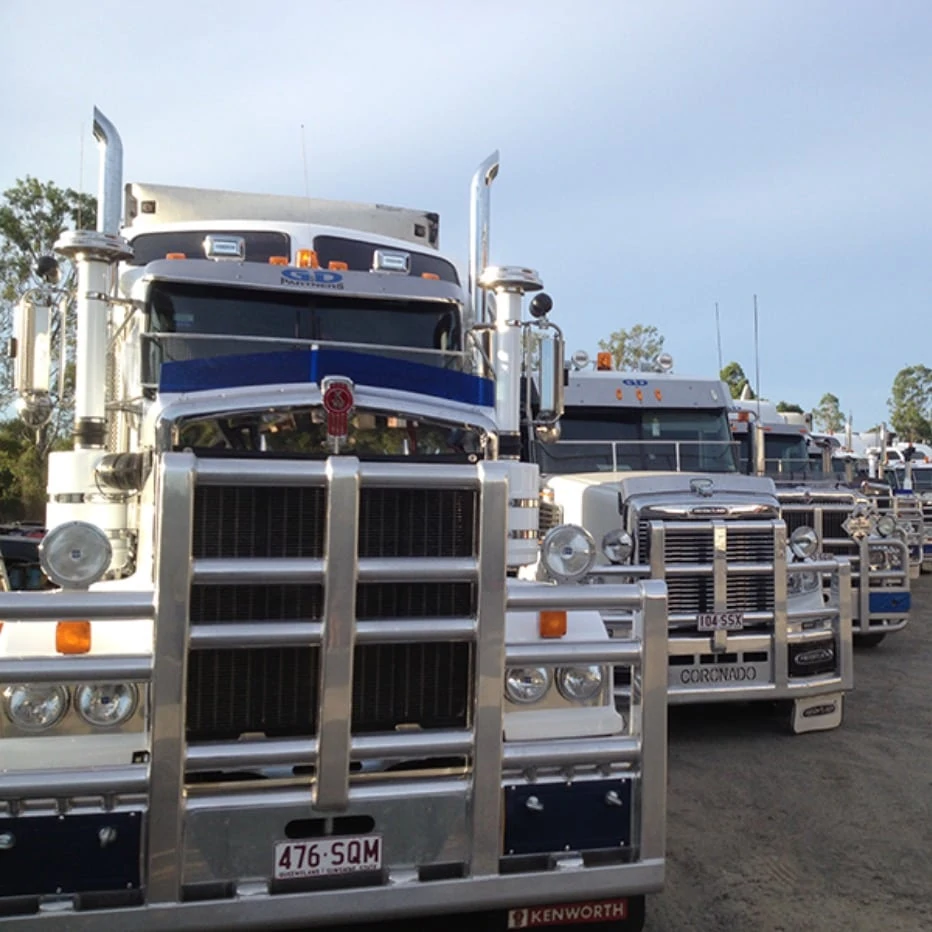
(310, 366)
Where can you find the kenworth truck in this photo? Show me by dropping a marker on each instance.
(844, 521)
(290, 676)
(646, 465)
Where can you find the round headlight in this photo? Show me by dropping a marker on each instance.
(579, 684)
(106, 705)
(75, 554)
(567, 552)
(527, 684)
(617, 546)
(803, 542)
(35, 707)
(886, 525)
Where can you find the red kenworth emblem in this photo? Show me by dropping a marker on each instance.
(338, 403)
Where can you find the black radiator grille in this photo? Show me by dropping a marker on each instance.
(832, 524)
(299, 602)
(797, 518)
(247, 521)
(274, 691)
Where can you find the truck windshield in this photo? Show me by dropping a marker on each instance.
(786, 455)
(613, 439)
(200, 321)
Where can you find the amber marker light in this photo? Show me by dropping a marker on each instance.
(552, 624)
(73, 637)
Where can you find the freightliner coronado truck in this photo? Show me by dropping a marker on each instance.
(290, 675)
(843, 518)
(645, 463)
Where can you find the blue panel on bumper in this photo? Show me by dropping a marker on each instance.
(575, 816)
(74, 854)
(889, 601)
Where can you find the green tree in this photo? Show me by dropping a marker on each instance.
(22, 474)
(784, 407)
(910, 404)
(733, 376)
(827, 415)
(33, 215)
(630, 348)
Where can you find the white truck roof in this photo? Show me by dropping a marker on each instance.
(149, 206)
(614, 389)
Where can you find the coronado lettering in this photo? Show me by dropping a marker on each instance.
(719, 675)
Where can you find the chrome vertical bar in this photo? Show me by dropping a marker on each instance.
(488, 713)
(331, 788)
(175, 517)
(657, 546)
(781, 670)
(845, 646)
(720, 566)
(863, 621)
(650, 627)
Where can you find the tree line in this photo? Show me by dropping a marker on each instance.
(33, 214)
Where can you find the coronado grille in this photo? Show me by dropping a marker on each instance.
(697, 546)
(273, 691)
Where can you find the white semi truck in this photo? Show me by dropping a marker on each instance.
(645, 463)
(844, 519)
(290, 676)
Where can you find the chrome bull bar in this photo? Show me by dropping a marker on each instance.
(772, 631)
(639, 752)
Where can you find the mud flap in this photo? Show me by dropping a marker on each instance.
(817, 713)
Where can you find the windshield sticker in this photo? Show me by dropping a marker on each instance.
(312, 278)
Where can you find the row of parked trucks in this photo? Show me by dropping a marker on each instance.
(367, 604)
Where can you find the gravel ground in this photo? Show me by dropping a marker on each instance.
(771, 832)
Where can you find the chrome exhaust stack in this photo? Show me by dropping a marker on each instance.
(479, 215)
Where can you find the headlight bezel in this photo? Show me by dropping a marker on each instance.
(549, 542)
(50, 549)
(6, 701)
(562, 674)
(803, 583)
(528, 701)
(886, 525)
(618, 538)
(803, 542)
(82, 689)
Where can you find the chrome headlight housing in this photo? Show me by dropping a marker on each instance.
(579, 684)
(35, 707)
(803, 542)
(886, 525)
(75, 555)
(527, 685)
(617, 546)
(106, 705)
(567, 552)
(802, 583)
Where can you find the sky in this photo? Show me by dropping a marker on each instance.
(657, 156)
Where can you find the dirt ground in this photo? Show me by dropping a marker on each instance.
(770, 832)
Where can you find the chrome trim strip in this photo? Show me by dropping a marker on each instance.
(84, 669)
(331, 788)
(174, 535)
(488, 702)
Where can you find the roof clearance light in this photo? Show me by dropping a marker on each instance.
(225, 248)
(175, 255)
(665, 362)
(336, 266)
(385, 260)
(580, 359)
(743, 417)
(278, 260)
(433, 276)
(658, 394)
(307, 259)
(603, 361)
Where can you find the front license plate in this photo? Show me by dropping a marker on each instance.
(720, 621)
(320, 857)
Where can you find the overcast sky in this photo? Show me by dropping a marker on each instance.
(657, 156)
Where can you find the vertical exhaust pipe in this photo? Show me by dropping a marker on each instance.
(110, 175)
(479, 212)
